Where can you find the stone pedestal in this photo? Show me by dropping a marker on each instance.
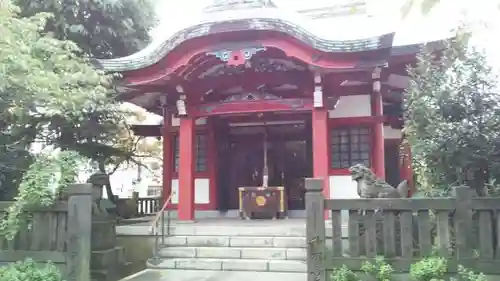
(107, 260)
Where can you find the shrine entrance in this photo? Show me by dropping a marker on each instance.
(246, 148)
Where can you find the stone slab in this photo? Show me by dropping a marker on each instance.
(207, 241)
(176, 240)
(232, 227)
(199, 264)
(251, 230)
(296, 254)
(289, 242)
(218, 252)
(287, 266)
(236, 241)
(272, 253)
(245, 265)
(206, 275)
(263, 253)
(231, 264)
(178, 252)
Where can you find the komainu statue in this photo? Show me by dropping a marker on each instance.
(98, 181)
(369, 186)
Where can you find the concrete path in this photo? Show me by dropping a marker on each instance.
(205, 275)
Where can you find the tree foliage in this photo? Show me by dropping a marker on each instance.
(102, 28)
(452, 119)
(49, 175)
(50, 94)
(42, 79)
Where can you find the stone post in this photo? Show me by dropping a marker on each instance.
(463, 224)
(315, 230)
(79, 224)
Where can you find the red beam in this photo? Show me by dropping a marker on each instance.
(299, 78)
(292, 48)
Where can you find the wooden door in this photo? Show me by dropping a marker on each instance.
(245, 166)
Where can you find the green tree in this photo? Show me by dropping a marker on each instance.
(452, 119)
(102, 29)
(42, 79)
(96, 126)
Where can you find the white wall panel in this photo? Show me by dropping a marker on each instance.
(201, 187)
(352, 106)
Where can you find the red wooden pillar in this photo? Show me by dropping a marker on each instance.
(320, 138)
(378, 162)
(167, 156)
(187, 131)
(320, 147)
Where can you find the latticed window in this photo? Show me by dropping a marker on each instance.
(349, 146)
(201, 142)
(154, 190)
(201, 153)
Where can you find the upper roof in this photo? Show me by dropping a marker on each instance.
(320, 27)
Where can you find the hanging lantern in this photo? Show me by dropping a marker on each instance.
(377, 86)
(318, 92)
(181, 106)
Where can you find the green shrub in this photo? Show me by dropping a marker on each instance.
(380, 270)
(28, 270)
(429, 269)
(340, 274)
(465, 274)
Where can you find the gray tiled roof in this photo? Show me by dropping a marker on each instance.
(247, 15)
(263, 18)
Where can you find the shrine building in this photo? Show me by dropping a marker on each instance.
(254, 95)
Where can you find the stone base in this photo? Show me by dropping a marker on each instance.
(108, 265)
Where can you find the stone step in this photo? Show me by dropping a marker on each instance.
(236, 241)
(261, 229)
(235, 253)
(230, 264)
(186, 274)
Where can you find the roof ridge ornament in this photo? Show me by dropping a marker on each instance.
(226, 5)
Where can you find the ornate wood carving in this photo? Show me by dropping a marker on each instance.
(251, 97)
(258, 65)
(236, 57)
(254, 102)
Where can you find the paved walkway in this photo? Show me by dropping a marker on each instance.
(205, 275)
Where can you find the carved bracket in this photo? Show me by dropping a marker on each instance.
(236, 57)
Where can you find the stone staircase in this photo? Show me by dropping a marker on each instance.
(259, 246)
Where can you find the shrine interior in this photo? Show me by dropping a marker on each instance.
(244, 148)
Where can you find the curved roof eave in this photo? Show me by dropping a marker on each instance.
(269, 20)
(417, 48)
